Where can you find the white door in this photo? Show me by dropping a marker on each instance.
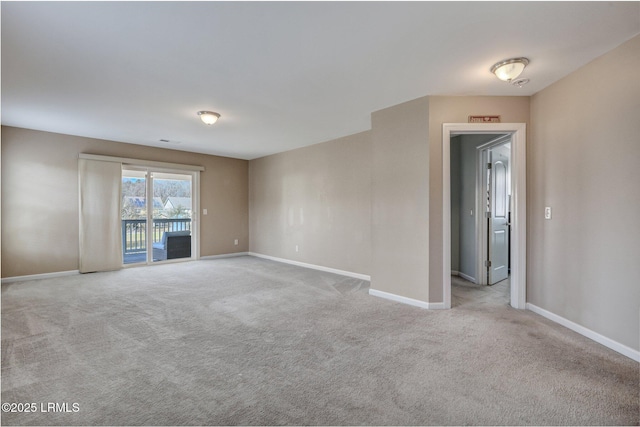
(498, 264)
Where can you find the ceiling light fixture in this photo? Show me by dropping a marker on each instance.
(208, 117)
(519, 82)
(509, 69)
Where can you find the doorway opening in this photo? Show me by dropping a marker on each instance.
(493, 212)
(480, 217)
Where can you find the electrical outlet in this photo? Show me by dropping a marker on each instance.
(204, 211)
(235, 242)
(547, 212)
(296, 248)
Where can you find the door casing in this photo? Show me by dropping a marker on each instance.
(518, 204)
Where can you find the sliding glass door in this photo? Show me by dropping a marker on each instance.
(134, 216)
(156, 228)
(172, 220)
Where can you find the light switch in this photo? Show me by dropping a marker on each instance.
(547, 212)
(204, 211)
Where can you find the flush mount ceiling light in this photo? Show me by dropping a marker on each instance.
(509, 69)
(519, 82)
(208, 117)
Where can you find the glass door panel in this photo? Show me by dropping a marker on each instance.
(134, 216)
(172, 216)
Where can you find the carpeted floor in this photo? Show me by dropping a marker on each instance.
(245, 341)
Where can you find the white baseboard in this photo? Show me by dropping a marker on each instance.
(464, 276)
(467, 277)
(406, 300)
(601, 339)
(231, 255)
(313, 266)
(39, 276)
(436, 306)
(73, 272)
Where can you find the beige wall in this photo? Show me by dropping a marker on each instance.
(400, 200)
(405, 148)
(359, 203)
(371, 203)
(454, 109)
(318, 198)
(40, 198)
(584, 162)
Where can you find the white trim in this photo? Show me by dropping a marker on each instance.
(39, 276)
(230, 255)
(464, 276)
(408, 301)
(518, 203)
(313, 266)
(149, 216)
(519, 218)
(195, 216)
(481, 219)
(496, 142)
(446, 218)
(138, 162)
(467, 277)
(601, 339)
(436, 306)
(139, 264)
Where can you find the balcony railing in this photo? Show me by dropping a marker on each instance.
(134, 232)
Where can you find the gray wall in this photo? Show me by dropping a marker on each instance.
(318, 198)
(584, 162)
(40, 198)
(467, 225)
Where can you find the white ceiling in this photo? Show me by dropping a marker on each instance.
(282, 74)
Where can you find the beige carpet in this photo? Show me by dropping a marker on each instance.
(248, 341)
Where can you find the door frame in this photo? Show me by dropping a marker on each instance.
(149, 170)
(195, 209)
(482, 230)
(518, 204)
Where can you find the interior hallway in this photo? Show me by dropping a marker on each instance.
(465, 293)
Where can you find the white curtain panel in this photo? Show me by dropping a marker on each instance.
(100, 229)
